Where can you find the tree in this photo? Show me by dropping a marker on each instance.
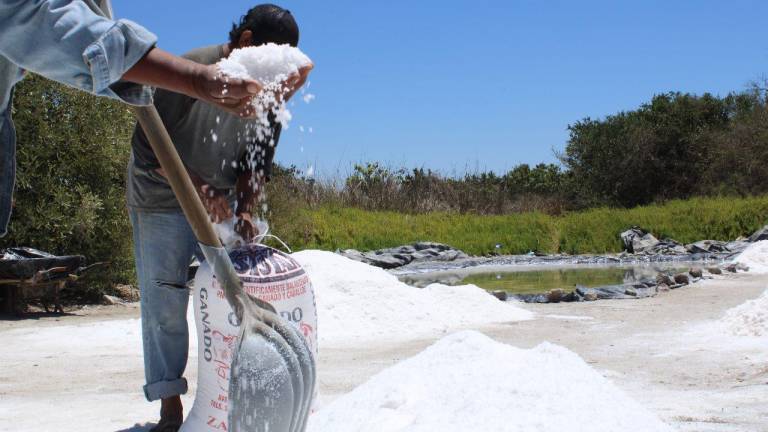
(72, 156)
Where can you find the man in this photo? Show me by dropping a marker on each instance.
(76, 43)
(228, 165)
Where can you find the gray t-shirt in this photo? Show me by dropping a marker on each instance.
(216, 146)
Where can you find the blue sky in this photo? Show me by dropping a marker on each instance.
(476, 85)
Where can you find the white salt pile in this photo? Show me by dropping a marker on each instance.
(748, 319)
(269, 64)
(755, 257)
(468, 382)
(360, 303)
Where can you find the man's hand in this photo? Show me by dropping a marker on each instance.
(246, 228)
(296, 81)
(215, 202)
(231, 94)
(161, 69)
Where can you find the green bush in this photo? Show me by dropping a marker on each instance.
(585, 232)
(73, 150)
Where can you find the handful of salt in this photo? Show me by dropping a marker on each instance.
(269, 64)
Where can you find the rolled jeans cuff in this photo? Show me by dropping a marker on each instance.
(165, 389)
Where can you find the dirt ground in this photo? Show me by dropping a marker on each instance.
(658, 350)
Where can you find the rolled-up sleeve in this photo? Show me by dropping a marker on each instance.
(66, 41)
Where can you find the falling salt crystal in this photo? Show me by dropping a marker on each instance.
(218, 119)
(301, 129)
(233, 164)
(309, 97)
(214, 137)
(310, 171)
(311, 130)
(302, 149)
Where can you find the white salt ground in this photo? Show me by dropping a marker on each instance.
(468, 382)
(359, 303)
(748, 319)
(570, 317)
(755, 257)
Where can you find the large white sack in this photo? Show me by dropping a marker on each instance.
(271, 276)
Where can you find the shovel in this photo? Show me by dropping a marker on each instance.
(273, 370)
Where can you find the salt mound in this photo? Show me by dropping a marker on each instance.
(468, 382)
(268, 64)
(748, 319)
(755, 257)
(357, 303)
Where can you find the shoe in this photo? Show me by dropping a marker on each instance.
(167, 426)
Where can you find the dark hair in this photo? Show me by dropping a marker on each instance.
(268, 23)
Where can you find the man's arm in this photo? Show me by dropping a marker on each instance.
(66, 41)
(161, 69)
(249, 191)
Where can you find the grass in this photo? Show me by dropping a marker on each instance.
(591, 231)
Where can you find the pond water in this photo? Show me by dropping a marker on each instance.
(536, 280)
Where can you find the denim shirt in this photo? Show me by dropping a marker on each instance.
(74, 42)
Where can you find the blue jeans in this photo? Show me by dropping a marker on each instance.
(7, 169)
(164, 245)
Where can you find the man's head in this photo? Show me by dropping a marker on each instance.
(264, 24)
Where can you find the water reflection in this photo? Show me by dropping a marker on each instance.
(540, 280)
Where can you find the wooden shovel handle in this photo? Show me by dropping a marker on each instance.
(177, 175)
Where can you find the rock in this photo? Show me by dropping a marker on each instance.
(399, 256)
(663, 287)
(696, 272)
(663, 278)
(737, 246)
(631, 292)
(109, 300)
(501, 295)
(682, 278)
(707, 246)
(676, 286)
(555, 295)
(628, 238)
(590, 296)
(530, 298)
(669, 247)
(638, 241)
(714, 270)
(645, 243)
(731, 268)
(761, 234)
(742, 267)
(127, 292)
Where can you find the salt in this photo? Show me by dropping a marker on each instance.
(272, 65)
(748, 319)
(268, 64)
(469, 382)
(358, 303)
(755, 257)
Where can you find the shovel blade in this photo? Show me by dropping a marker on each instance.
(261, 391)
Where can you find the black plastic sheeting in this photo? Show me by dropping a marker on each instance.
(24, 263)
